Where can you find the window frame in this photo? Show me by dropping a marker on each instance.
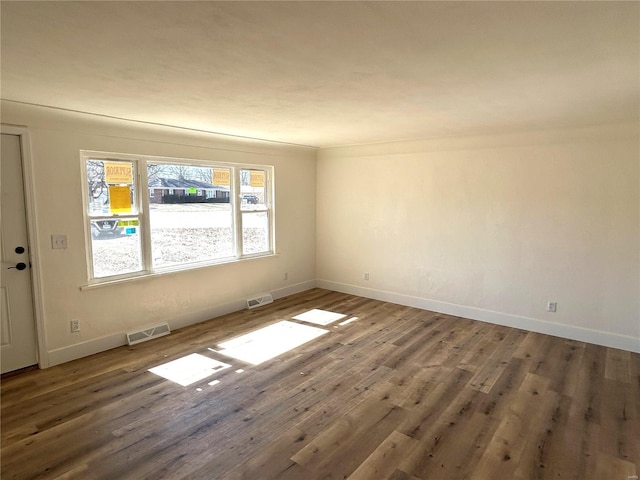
(142, 205)
(252, 210)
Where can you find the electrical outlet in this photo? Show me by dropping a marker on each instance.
(286, 275)
(552, 307)
(366, 277)
(75, 326)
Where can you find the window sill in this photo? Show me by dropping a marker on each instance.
(170, 271)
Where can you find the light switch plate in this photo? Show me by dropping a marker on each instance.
(58, 241)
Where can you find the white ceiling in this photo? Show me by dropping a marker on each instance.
(329, 73)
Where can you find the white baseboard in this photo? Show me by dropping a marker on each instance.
(597, 337)
(84, 349)
(234, 306)
(293, 289)
(90, 347)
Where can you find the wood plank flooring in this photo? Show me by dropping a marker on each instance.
(401, 393)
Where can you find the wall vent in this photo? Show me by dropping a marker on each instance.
(259, 300)
(148, 334)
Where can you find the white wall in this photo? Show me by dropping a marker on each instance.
(491, 228)
(107, 312)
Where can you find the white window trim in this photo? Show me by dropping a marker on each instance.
(143, 204)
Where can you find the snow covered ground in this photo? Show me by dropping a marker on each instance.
(181, 233)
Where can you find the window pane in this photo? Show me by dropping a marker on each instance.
(253, 188)
(255, 232)
(189, 213)
(115, 242)
(116, 246)
(111, 187)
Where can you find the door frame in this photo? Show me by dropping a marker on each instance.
(32, 235)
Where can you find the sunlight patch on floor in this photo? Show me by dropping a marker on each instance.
(346, 322)
(269, 342)
(187, 370)
(319, 317)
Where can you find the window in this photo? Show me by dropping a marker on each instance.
(255, 214)
(193, 214)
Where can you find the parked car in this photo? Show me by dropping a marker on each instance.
(253, 199)
(105, 227)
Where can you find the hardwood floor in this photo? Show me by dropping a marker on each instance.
(400, 394)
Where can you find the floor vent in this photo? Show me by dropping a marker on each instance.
(259, 300)
(148, 334)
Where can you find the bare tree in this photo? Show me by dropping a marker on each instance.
(95, 176)
(181, 172)
(204, 174)
(155, 171)
(186, 172)
(245, 177)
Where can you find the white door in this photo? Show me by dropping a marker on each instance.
(18, 335)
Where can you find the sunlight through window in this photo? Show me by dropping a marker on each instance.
(187, 370)
(269, 342)
(346, 322)
(319, 317)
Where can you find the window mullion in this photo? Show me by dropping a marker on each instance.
(270, 215)
(143, 212)
(237, 213)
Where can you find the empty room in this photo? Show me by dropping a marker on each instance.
(320, 240)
